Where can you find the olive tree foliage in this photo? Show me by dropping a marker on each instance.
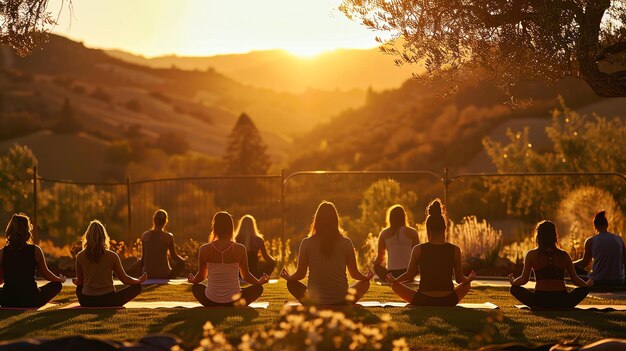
(504, 40)
(25, 23)
(580, 143)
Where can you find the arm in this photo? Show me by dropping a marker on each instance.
(569, 265)
(121, 273)
(203, 269)
(172, 249)
(244, 269)
(411, 270)
(458, 268)
(587, 255)
(79, 275)
(42, 267)
(303, 265)
(522, 279)
(1, 272)
(353, 269)
(382, 250)
(264, 253)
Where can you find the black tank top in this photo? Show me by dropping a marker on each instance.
(436, 266)
(19, 267)
(550, 270)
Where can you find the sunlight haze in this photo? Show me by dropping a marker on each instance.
(207, 27)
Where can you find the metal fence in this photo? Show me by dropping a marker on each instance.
(283, 204)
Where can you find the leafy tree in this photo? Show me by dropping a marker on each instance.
(580, 144)
(377, 198)
(507, 40)
(246, 152)
(576, 211)
(24, 23)
(172, 143)
(67, 122)
(16, 172)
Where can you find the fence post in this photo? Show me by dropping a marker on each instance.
(128, 198)
(283, 207)
(446, 183)
(35, 204)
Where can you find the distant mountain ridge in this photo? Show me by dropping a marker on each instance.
(342, 69)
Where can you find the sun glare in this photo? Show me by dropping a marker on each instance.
(306, 51)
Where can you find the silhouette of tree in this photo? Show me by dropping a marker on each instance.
(246, 152)
(67, 122)
(504, 40)
(25, 23)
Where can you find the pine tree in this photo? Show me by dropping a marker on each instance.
(67, 122)
(246, 152)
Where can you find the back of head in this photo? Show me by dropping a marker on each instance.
(326, 227)
(546, 235)
(435, 221)
(600, 222)
(18, 230)
(396, 217)
(95, 241)
(159, 219)
(222, 226)
(246, 230)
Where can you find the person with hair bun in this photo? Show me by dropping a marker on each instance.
(20, 259)
(436, 260)
(549, 263)
(608, 253)
(95, 266)
(396, 242)
(156, 242)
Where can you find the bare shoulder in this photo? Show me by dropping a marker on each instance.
(240, 247)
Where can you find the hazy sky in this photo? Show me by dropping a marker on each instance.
(209, 27)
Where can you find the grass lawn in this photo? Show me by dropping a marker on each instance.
(449, 328)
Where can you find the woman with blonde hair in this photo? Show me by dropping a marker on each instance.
(249, 236)
(436, 260)
(326, 254)
(95, 265)
(396, 242)
(20, 260)
(220, 262)
(155, 245)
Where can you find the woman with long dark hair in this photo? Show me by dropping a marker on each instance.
(155, 245)
(436, 260)
(549, 263)
(395, 242)
(221, 261)
(249, 236)
(20, 260)
(95, 266)
(325, 254)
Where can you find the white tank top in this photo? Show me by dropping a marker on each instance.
(223, 279)
(399, 247)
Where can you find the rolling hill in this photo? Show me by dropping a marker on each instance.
(342, 69)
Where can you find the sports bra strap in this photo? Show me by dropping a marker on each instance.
(232, 244)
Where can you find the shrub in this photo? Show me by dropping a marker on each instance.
(476, 239)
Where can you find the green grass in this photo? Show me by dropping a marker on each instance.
(449, 328)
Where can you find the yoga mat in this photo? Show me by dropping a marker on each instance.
(159, 304)
(579, 307)
(608, 295)
(178, 281)
(42, 308)
(479, 306)
(476, 306)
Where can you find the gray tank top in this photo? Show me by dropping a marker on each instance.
(608, 259)
(155, 246)
(328, 283)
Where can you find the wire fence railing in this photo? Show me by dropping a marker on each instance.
(283, 204)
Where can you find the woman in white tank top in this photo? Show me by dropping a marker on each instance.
(326, 254)
(396, 242)
(220, 262)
